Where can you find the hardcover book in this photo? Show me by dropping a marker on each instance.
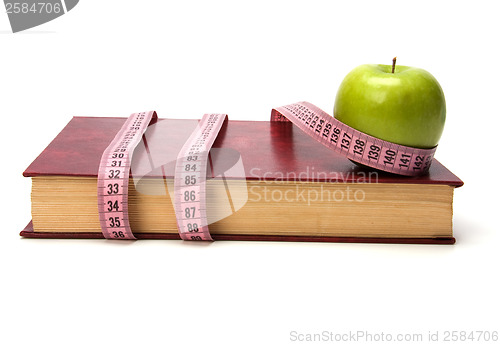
(265, 181)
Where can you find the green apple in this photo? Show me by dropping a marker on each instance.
(400, 104)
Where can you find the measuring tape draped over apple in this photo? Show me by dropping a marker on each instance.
(190, 171)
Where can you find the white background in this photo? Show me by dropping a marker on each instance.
(186, 58)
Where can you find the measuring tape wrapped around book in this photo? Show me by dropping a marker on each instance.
(192, 161)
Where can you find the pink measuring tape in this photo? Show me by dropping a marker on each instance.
(192, 163)
(191, 177)
(353, 144)
(113, 176)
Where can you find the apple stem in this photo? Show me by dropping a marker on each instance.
(393, 64)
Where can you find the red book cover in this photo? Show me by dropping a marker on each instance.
(268, 150)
